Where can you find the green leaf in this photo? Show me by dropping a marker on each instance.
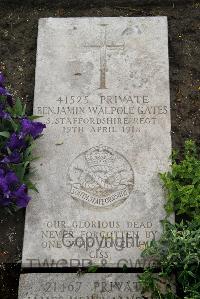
(33, 117)
(31, 186)
(20, 169)
(5, 134)
(2, 99)
(24, 110)
(92, 269)
(14, 125)
(18, 107)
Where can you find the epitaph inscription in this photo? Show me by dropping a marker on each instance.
(102, 88)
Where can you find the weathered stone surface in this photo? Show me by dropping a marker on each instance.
(102, 88)
(84, 286)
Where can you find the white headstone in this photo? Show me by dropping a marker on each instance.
(102, 87)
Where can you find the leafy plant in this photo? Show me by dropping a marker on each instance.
(178, 254)
(17, 134)
(177, 251)
(183, 183)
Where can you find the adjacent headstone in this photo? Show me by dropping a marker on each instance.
(84, 286)
(102, 87)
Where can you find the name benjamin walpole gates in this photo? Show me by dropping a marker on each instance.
(103, 113)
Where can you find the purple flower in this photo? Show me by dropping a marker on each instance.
(3, 183)
(11, 191)
(14, 157)
(8, 182)
(2, 79)
(31, 128)
(11, 178)
(3, 91)
(2, 171)
(15, 142)
(21, 196)
(3, 114)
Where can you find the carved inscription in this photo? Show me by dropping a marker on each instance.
(123, 114)
(98, 289)
(98, 240)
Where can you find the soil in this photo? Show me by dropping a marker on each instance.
(18, 34)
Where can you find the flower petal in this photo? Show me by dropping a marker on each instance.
(14, 157)
(32, 128)
(2, 79)
(15, 142)
(3, 91)
(11, 178)
(3, 185)
(21, 197)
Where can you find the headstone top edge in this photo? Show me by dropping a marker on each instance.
(101, 18)
(45, 22)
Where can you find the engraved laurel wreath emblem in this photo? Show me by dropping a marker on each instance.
(101, 177)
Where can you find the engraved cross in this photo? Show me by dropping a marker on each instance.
(104, 46)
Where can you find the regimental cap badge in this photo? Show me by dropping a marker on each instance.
(101, 177)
